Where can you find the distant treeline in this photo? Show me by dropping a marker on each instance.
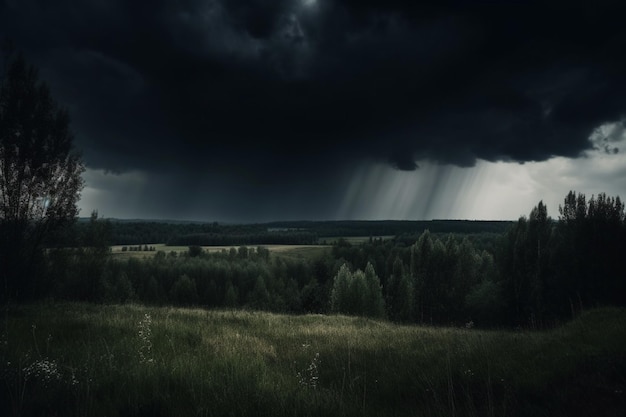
(300, 232)
(394, 227)
(260, 237)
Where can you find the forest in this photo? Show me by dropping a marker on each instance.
(537, 272)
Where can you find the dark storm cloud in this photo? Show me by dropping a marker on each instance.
(283, 88)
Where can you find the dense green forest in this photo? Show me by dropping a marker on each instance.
(537, 272)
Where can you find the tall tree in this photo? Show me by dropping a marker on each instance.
(399, 293)
(571, 250)
(374, 303)
(465, 276)
(515, 266)
(539, 233)
(526, 269)
(592, 242)
(40, 173)
(421, 275)
(339, 296)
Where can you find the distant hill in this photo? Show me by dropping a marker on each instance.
(166, 221)
(393, 227)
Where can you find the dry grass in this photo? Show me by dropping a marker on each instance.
(255, 363)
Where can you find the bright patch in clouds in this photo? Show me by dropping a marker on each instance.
(489, 190)
(112, 195)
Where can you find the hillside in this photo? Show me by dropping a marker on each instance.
(78, 359)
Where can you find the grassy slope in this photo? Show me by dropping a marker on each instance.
(73, 359)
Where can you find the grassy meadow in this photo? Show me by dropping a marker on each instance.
(128, 360)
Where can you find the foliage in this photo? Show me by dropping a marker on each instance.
(83, 273)
(194, 251)
(399, 294)
(357, 293)
(184, 291)
(551, 270)
(239, 278)
(40, 175)
(259, 298)
(485, 303)
(374, 301)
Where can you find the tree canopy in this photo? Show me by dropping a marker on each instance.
(40, 171)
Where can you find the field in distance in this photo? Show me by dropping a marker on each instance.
(294, 251)
(97, 360)
(353, 240)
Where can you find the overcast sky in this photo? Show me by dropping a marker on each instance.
(235, 110)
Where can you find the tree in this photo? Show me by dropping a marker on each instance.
(89, 261)
(243, 252)
(231, 295)
(374, 302)
(592, 241)
(40, 173)
(341, 289)
(421, 270)
(399, 293)
(194, 251)
(539, 232)
(485, 302)
(184, 291)
(357, 293)
(259, 298)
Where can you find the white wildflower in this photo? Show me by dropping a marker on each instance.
(44, 371)
(310, 376)
(145, 339)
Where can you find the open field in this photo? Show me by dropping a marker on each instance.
(78, 359)
(353, 240)
(297, 251)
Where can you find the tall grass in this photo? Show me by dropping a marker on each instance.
(79, 359)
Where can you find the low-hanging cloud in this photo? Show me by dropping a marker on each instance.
(283, 87)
